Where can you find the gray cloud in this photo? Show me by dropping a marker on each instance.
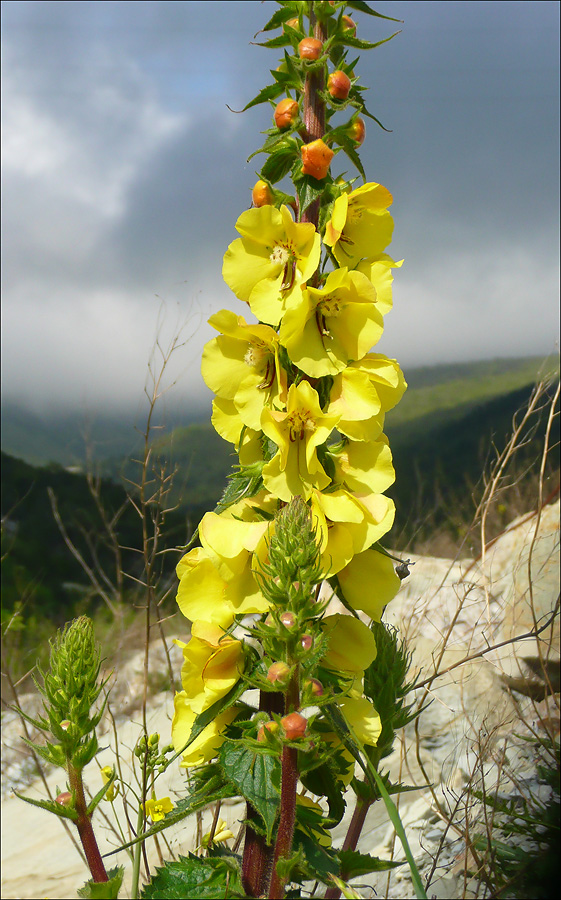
(124, 174)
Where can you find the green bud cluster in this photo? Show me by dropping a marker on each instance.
(293, 570)
(70, 688)
(148, 752)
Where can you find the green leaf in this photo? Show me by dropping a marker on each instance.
(104, 890)
(65, 812)
(360, 6)
(351, 41)
(267, 93)
(205, 879)
(213, 789)
(320, 861)
(255, 776)
(279, 18)
(279, 163)
(282, 40)
(354, 863)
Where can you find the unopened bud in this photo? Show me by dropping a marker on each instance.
(306, 641)
(315, 687)
(261, 194)
(356, 131)
(294, 726)
(65, 724)
(286, 113)
(339, 85)
(268, 726)
(278, 673)
(316, 159)
(349, 25)
(65, 799)
(310, 48)
(288, 619)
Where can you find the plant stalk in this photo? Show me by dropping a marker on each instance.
(84, 825)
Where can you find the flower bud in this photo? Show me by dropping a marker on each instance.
(261, 194)
(316, 158)
(357, 131)
(286, 112)
(278, 673)
(294, 726)
(306, 641)
(315, 687)
(349, 25)
(268, 726)
(310, 48)
(292, 23)
(339, 85)
(65, 799)
(288, 619)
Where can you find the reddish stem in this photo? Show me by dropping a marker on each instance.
(84, 825)
(314, 110)
(289, 785)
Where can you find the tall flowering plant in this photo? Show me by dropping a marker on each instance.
(301, 396)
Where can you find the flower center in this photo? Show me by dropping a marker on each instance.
(280, 256)
(331, 307)
(256, 356)
(283, 258)
(298, 422)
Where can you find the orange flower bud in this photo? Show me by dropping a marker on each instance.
(286, 113)
(339, 85)
(349, 25)
(268, 726)
(293, 23)
(65, 799)
(306, 641)
(310, 48)
(316, 158)
(261, 194)
(294, 726)
(278, 672)
(357, 131)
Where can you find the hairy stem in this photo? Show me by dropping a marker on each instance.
(84, 825)
(313, 112)
(289, 784)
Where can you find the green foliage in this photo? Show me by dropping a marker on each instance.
(190, 876)
(104, 890)
(254, 775)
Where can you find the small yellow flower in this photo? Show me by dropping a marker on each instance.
(221, 833)
(107, 773)
(157, 809)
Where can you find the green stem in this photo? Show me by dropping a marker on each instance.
(84, 825)
(137, 852)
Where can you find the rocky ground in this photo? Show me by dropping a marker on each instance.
(473, 733)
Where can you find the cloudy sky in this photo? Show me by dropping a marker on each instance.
(124, 173)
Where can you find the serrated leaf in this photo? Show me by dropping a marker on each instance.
(360, 6)
(279, 164)
(104, 890)
(267, 93)
(351, 41)
(51, 806)
(282, 40)
(254, 775)
(354, 863)
(279, 18)
(320, 861)
(205, 879)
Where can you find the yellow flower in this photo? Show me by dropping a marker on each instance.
(157, 809)
(348, 524)
(352, 646)
(221, 833)
(213, 663)
(267, 265)
(242, 365)
(207, 743)
(295, 469)
(216, 581)
(107, 773)
(362, 718)
(333, 324)
(363, 392)
(364, 468)
(228, 423)
(360, 226)
(369, 582)
(379, 272)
